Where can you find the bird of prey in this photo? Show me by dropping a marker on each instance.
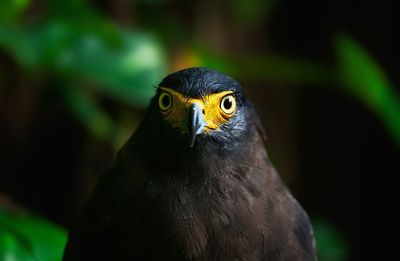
(194, 182)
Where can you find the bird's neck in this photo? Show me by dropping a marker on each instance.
(208, 161)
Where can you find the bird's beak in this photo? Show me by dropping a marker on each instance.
(196, 122)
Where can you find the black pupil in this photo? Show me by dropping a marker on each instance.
(166, 100)
(227, 103)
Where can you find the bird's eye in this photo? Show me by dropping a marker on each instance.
(165, 101)
(228, 104)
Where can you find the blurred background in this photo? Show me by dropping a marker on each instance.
(76, 76)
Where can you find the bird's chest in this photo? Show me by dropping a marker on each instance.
(207, 223)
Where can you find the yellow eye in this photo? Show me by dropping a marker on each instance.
(165, 101)
(228, 104)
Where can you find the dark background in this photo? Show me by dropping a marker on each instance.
(335, 151)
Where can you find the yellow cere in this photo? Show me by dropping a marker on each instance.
(215, 113)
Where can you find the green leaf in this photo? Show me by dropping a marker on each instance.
(331, 245)
(123, 64)
(12, 249)
(24, 236)
(363, 78)
(10, 10)
(18, 44)
(128, 74)
(85, 109)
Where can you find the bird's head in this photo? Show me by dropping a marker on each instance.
(200, 105)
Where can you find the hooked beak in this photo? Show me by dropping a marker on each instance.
(196, 122)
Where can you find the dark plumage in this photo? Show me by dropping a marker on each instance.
(218, 200)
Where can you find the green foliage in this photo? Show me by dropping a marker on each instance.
(85, 108)
(25, 237)
(272, 68)
(126, 67)
(331, 246)
(363, 78)
(251, 11)
(11, 10)
(92, 53)
(71, 9)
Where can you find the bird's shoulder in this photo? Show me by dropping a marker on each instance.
(303, 232)
(288, 232)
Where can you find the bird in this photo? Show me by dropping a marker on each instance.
(194, 182)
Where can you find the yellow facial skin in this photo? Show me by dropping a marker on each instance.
(214, 112)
